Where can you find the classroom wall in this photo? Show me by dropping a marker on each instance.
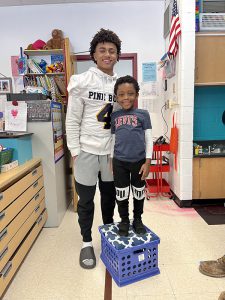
(139, 25)
(181, 89)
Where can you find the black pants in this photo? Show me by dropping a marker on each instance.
(126, 174)
(85, 208)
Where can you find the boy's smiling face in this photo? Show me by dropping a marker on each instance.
(106, 57)
(126, 95)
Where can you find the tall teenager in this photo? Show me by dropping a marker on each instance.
(88, 122)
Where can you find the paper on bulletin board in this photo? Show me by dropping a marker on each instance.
(149, 90)
(149, 72)
(16, 116)
(18, 84)
(146, 104)
(148, 96)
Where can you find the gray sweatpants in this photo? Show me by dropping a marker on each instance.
(87, 167)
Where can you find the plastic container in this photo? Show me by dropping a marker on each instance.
(131, 264)
(6, 156)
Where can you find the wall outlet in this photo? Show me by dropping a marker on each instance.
(170, 104)
(167, 104)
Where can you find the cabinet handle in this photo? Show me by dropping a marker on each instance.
(6, 269)
(34, 172)
(3, 234)
(36, 196)
(37, 208)
(2, 215)
(39, 219)
(4, 251)
(1, 196)
(35, 184)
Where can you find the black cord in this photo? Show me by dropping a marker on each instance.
(165, 122)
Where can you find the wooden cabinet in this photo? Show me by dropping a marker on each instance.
(209, 59)
(22, 215)
(208, 178)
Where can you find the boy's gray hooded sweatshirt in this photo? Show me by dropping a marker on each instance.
(90, 102)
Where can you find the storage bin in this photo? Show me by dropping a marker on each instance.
(6, 156)
(129, 259)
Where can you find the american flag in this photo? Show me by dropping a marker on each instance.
(175, 31)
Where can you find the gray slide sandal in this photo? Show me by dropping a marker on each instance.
(87, 258)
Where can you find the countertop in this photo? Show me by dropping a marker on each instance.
(211, 155)
(10, 135)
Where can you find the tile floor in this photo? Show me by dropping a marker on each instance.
(51, 270)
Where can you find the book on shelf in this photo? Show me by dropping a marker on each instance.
(61, 84)
(34, 66)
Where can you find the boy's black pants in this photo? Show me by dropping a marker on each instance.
(85, 207)
(126, 174)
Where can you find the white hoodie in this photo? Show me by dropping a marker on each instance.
(89, 94)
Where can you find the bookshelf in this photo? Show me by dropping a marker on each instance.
(54, 82)
(62, 96)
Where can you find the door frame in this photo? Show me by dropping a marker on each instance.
(123, 56)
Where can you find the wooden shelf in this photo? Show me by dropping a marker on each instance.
(205, 33)
(209, 83)
(43, 52)
(42, 74)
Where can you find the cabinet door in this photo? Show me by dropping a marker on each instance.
(196, 177)
(210, 59)
(211, 179)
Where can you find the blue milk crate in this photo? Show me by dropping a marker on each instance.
(129, 259)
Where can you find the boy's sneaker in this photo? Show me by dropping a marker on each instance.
(123, 228)
(138, 226)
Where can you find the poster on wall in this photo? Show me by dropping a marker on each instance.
(16, 116)
(149, 72)
(56, 112)
(38, 111)
(14, 65)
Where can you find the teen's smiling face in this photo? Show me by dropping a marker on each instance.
(126, 95)
(106, 57)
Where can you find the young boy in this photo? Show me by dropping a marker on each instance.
(132, 152)
(88, 131)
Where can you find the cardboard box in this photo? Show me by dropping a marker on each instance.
(7, 167)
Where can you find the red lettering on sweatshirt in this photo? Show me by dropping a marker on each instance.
(126, 120)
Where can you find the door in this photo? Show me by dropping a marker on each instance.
(127, 65)
(212, 178)
(210, 59)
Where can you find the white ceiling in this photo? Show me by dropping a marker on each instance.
(41, 2)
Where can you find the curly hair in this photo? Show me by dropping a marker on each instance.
(126, 79)
(104, 36)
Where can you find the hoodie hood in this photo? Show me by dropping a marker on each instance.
(102, 74)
